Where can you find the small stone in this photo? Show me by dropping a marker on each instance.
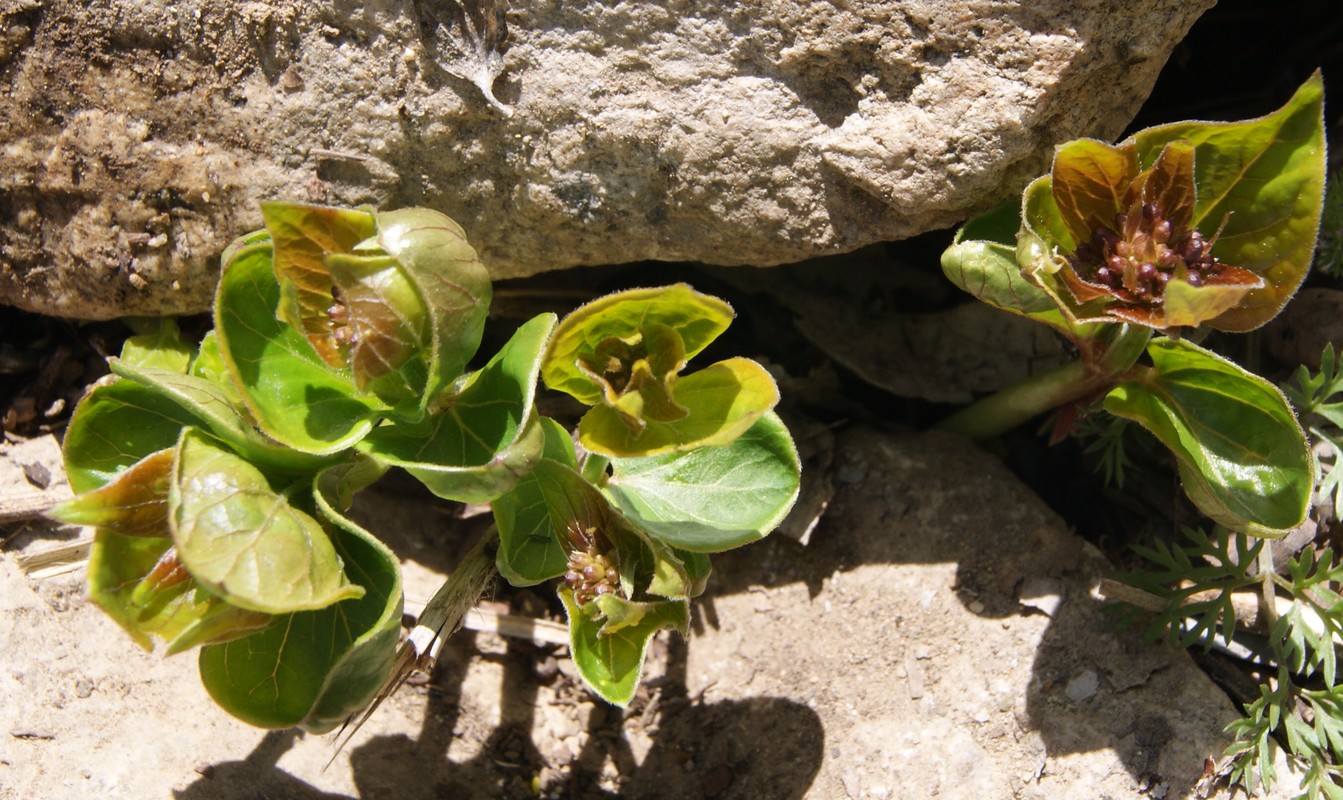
(83, 688)
(1083, 687)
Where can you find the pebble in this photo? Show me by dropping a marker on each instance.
(1083, 687)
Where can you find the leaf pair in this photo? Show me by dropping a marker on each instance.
(623, 355)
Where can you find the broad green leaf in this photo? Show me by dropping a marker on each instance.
(291, 393)
(610, 663)
(360, 672)
(134, 503)
(1190, 306)
(1242, 455)
(454, 284)
(139, 583)
(989, 271)
(115, 426)
(696, 318)
(314, 668)
(1041, 215)
(529, 537)
(551, 511)
(160, 346)
(303, 236)
(483, 439)
(209, 366)
(219, 410)
(1263, 178)
(722, 401)
(244, 540)
(1088, 181)
(711, 498)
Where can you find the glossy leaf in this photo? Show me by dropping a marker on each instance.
(1263, 178)
(611, 662)
(218, 409)
(711, 498)
(485, 437)
(722, 401)
(134, 503)
(551, 505)
(244, 540)
(302, 237)
(697, 319)
(989, 271)
(454, 285)
(361, 670)
(161, 346)
(295, 397)
(1242, 455)
(139, 583)
(387, 322)
(115, 426)
(314, 668)
(529, 535)
(1088, 182)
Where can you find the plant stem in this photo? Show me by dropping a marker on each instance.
(1266, 573)
(1115, 352)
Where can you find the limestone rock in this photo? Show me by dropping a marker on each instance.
(137, 137)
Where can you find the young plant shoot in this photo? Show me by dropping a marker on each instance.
(216, 476)
(1130, 251)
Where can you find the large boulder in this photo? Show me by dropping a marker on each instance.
(138, 135)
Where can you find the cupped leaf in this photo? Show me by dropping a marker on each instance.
(696, 319)
(242, 539)
(1088, 182)
(610, 662)
(134, 503)
(722, 401)
(375, 621)
(160, 345)
(219, 409)
(294, 397)
(302, 236)
(711, 498)
(989, 271)
(455, 286)
(482, 439)
(384, 322)
(116, 425)
(139, 583)
(1263, 179)
(314, 668)
(1242, 455)
(529, 535)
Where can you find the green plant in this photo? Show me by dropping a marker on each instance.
(216, 475)
(1127, 249)
(1129, 252)
(1210, 588)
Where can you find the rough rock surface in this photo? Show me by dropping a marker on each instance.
(137, 137)
(939, 638)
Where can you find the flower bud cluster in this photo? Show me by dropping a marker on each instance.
(1143, 252)
(591, 571)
